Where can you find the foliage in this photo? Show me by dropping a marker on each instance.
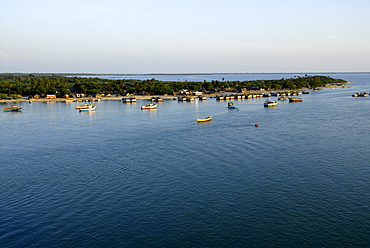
(61, 85)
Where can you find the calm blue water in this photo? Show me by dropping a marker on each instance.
(123, 177)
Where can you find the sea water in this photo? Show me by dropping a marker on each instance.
(125, 177)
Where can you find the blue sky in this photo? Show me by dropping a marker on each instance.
(184, 36)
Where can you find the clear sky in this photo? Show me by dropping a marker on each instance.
(184, 36)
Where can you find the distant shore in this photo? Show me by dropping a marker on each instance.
(148, 97)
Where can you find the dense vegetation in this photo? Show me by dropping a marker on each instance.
(29, 85)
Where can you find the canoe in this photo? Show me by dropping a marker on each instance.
(209, 118)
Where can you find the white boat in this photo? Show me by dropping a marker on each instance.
(86, 107)
(150, 106)
(90, 108)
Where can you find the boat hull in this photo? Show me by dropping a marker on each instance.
(13, 109)
(87, 109)
(294, 99)
(208, 119)
(149, 107)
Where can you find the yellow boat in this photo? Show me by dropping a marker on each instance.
(270, 103)
(295, 99)
(209, 118)
(86, 107)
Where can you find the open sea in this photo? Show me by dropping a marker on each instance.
(125, 177)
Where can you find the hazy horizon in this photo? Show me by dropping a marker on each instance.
(237, 36)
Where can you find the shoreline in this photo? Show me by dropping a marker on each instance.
(148, 97)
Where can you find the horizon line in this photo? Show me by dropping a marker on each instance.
(179, 73)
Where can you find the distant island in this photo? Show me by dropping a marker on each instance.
(15, 86)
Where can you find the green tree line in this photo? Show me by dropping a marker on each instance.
(29, 85)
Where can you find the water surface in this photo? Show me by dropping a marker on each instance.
(123, 177)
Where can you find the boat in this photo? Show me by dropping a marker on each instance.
(360, 94)
(269, 103)
(13, 109)
(150, 106)
(282, 98)
(231, 105)
(89, 108)
(207, 119)
(126, 99)
(295, 99)
(182, 98)
(86, 107)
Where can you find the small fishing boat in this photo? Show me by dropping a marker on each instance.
(269, 103)
(13, 109)
(209, 118)
(86, 107)
(360, 94)
(282, 98)
(295, 99)
(231, 105)
(150, 106)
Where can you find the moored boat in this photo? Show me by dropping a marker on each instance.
(89, 108)
(13, 109)
(295, 99)
(360, 94)
(86, 107)
(150, 106)
(231, 105)
(207, 119)
(269, 103)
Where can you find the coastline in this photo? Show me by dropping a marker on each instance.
(171, 97)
